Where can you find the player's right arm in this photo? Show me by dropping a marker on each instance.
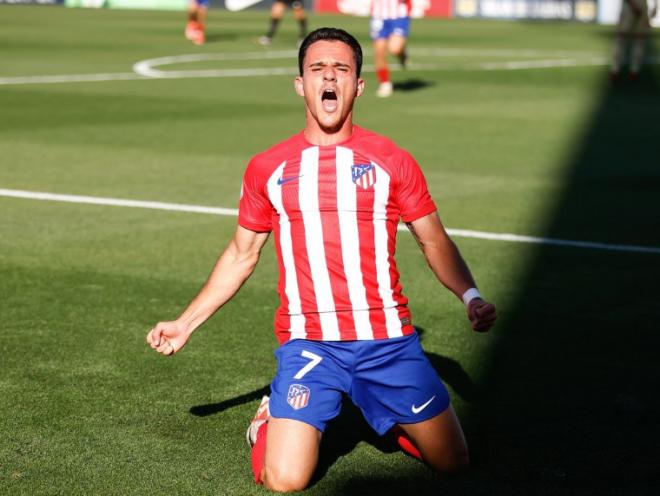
(231, 270)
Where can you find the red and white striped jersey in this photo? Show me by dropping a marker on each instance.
(390, 9)
(334, 212)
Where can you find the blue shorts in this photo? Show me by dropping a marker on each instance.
(391, 381)
(383, 28)
(202, 3)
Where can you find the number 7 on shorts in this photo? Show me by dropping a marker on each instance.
(314, 361)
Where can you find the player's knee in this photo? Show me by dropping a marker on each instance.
(281, 481)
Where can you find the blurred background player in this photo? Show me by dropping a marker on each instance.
(276, 14)
(195, 28)
(632, 32)
(389, 29)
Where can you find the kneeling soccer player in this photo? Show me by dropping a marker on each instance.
(333, 195)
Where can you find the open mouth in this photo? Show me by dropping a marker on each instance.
(329, 100)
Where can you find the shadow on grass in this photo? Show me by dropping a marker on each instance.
(570, 403)
(213, 408)
(214, 37)
(412, 85)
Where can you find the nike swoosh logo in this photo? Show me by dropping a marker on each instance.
(284, 180)
(417, 409)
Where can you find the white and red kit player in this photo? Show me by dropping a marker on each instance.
(632, 33)
(389, 30)
(333, 196)
(196, 25)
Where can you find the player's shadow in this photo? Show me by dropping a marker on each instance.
(214, 37)
(412, 85)
(213, 408)
(451, 373)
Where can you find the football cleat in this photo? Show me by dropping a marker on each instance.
(264, 41)
(262, 415)
(198, 36)
(385, 90)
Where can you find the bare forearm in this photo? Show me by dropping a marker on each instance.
(230, 272)
(448, 265)
(446, 262)
(442, 255)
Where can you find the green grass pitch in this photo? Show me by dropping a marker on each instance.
(560, 398)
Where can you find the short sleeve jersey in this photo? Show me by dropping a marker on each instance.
(334, 212)
(390, 9)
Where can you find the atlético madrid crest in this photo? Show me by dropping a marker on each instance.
(364, 175)
(298, 396)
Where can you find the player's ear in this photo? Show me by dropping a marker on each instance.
(360, 87)
(298, 85)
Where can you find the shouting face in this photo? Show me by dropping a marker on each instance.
(329, 85)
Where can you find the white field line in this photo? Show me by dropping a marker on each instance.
(117, 202)
(178, 207)
(146, 69)
(541, 64)
(71, 78)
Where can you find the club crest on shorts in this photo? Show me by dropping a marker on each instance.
(298, 396)
(364, 175)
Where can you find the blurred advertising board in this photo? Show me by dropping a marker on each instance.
(420, 8)
(31, 2)
(130, 4)
(577, 10)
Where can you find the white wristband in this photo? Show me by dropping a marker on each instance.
(470, 295)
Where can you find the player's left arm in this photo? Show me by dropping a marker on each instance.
(448, 265)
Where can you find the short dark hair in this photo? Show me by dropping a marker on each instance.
(330, 34)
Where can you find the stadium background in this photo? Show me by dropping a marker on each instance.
(604, 11)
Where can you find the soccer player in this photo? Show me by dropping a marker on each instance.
(276, 14)
(389, 29)
(196, 26)
(333, 195)
(632, 32)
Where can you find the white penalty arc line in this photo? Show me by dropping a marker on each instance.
(149, 73)
(146, 69)
(179, 207)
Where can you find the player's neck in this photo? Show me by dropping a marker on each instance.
(316, 135)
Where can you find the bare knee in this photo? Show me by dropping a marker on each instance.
(282, 481)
